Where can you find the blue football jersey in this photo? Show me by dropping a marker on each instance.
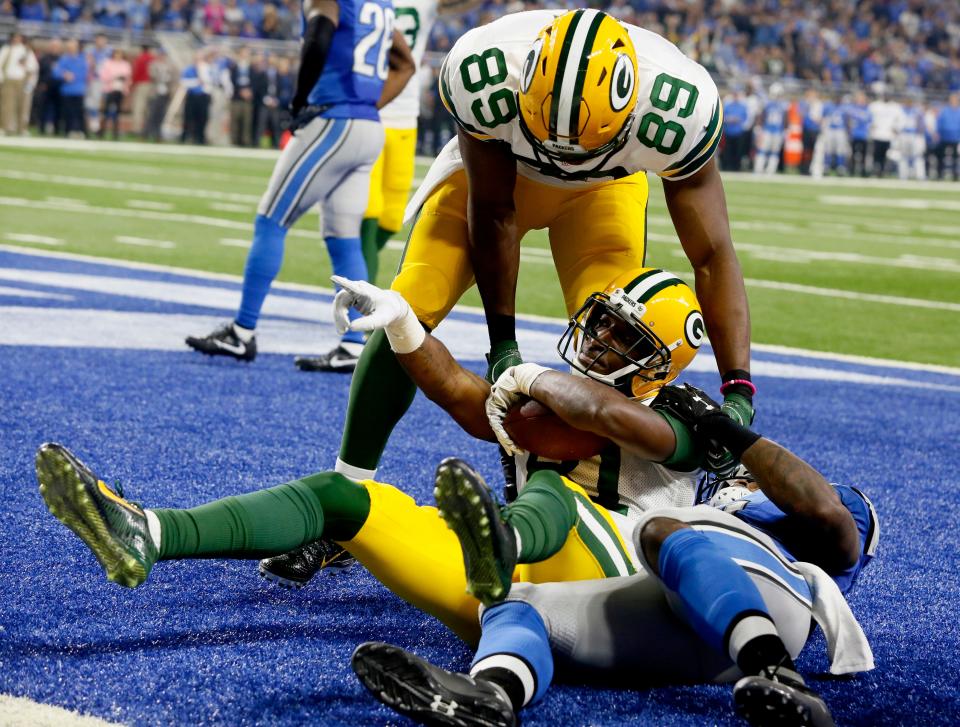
(775, 116)
(357, 62)
(762, 514)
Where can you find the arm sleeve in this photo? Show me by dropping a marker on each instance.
(313, 56)
(687, 456)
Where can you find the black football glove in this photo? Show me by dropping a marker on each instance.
(502, 356)
(723, 437)
(300, 116)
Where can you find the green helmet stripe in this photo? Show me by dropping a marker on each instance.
(558, 79)
(645, 286)
(658, 287)
(582, 74)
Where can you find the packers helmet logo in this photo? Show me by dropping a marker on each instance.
(621, 83)
(530, 65)
(694, 329)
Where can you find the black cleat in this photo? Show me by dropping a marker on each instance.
(113, 528)
(296, 568)
(225, 342)
(340, 360)
(488, 543)
(431, 695)
(779, 697)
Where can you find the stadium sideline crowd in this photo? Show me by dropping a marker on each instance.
(821, 87)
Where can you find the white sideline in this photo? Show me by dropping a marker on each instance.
(32, 142)
(760, 347)
(23, 711)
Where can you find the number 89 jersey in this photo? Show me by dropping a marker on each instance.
(675, 128)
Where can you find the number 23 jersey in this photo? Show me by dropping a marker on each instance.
(675, 129)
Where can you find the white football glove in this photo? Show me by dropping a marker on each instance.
(513, 384)
(385, 309)
(380, 307)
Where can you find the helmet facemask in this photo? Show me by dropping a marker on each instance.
(607, 341)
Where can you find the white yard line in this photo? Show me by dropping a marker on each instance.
(24, 711)
(231, 207)
(144, 242)
(26, 237)
(234, 242)
(146, 204)
(175, 150)
(800, 255)
(65, 180)
(907, 203)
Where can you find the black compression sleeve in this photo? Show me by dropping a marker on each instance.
(313, 55)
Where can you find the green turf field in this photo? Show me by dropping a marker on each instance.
(837, 266)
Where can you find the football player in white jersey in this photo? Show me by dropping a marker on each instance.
(407, 547)
(560, 114)
(392, 173)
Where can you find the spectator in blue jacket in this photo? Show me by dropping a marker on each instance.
(948, 131)
(735, 132)
(71, 70)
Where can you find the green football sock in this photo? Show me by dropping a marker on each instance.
(383, 236)
(267, 522)
(542, 514)
(371, 250)
(380, 394)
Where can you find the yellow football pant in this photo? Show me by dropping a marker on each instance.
(391, 178)
(409, 549)
(595, 234)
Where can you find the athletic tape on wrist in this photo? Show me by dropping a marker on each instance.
(405, 335)
(526, 374)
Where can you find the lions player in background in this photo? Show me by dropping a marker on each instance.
(352, 62)
(392, 174)
(911, 141)
(560, 115)
(833, 145)
(773, 124)
(729, 591)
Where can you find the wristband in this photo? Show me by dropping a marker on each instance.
(726, 385)
(405, 335)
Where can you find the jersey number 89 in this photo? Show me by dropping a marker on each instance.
(477, 71)
(381, 19)
(654, 129)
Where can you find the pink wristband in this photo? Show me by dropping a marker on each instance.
(744, 382)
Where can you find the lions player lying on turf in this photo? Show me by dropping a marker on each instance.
(727, 592)
(409, 548)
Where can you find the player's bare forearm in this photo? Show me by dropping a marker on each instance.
(459, 392)
(799, 490)
(402, 69)
(491, 218)
(594, 407)
(698, 208)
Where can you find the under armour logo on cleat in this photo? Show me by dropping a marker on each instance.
(437, 705)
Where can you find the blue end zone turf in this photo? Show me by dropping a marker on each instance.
(209, 641)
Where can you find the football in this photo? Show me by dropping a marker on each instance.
(535, 428)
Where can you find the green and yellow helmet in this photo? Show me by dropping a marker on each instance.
(638, 334)
(578, 87)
